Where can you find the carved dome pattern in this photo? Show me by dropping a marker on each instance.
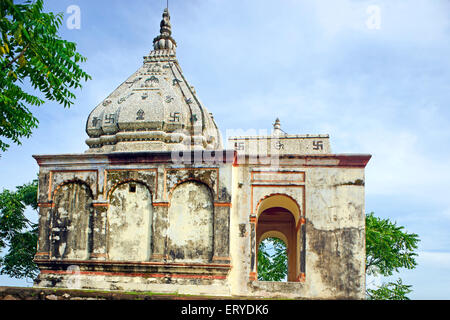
(155, 109)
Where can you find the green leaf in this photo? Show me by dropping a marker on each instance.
(32, 50)
(272, 260)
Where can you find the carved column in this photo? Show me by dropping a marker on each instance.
(159, 225)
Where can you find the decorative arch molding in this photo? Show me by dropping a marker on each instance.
(114, 186)
(280, 200)
(76, 181)
(170, 193)
(176, 176)
(58, 178)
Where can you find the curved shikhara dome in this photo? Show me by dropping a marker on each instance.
(155, 109)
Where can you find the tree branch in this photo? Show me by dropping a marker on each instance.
(17, 57)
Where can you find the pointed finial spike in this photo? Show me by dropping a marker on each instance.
(277, 124)
(165, 41)
(277, 128)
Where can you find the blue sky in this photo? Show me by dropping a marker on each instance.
(377, 81)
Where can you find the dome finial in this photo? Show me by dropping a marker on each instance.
(277, 128)
(165, 41)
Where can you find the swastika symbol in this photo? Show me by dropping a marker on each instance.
(317, 145)
(110, 118)
(239, 146)
(174, 117)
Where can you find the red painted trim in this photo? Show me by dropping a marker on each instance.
(143, 263)
(161, 204)
(222, 204)
(42, 253)
(100, 205)
(146, 275)
(301, 277)
(301, 221)
(353, 160)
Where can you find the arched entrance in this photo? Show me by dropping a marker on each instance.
(278, 217)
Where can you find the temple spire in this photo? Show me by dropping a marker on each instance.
(165, 41)
(277, 128)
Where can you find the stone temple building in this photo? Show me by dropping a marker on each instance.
(158, 204)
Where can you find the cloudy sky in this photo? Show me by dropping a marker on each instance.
(375, 75)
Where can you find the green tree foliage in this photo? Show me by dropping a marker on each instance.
(390, 291)
(17, 232)
(388, 249)
(32, 50)
(272, 260)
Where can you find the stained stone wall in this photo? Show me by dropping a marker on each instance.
(129, 226)
(143, 222)
(135, 221)
(191, 223)
(70, 223)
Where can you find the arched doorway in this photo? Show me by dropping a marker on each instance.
(278, 217)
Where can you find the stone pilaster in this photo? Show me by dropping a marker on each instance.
(43, 245)
(253, 271)
(99, 226)
(159, 225)
(221, 233)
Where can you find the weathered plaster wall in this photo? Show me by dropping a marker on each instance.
(331, 245)
(149, 224)
(70, 224)
(129, 227)
(335, 232)
(191, 217)
(193, 228)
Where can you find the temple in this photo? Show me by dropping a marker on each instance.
(157, 203)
